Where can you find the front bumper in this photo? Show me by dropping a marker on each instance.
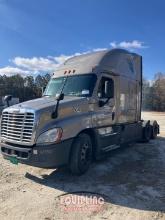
(44, 156)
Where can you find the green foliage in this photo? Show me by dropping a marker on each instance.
(154, 93)
(24, 88)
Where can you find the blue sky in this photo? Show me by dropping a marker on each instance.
(38, 35)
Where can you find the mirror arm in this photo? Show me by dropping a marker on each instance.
(61, 96)
(55, 112)
(7, 101)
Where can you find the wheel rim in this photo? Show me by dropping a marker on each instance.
(85, 153)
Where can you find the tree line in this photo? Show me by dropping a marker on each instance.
(154, 93)
(26, 88)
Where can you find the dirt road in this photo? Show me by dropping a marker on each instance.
(131, 182)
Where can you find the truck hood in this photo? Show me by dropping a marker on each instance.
(44, 102)
(44, 107)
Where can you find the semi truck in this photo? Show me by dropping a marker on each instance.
(91, 105)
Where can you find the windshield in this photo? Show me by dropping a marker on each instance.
(77, 85)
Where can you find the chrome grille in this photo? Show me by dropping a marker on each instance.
(17, 127)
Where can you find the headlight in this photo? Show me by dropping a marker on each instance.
(50, 136)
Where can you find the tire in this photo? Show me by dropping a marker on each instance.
(154, 129)
(81, 154)
(146, 133)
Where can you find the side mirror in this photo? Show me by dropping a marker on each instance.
(109, 89)
(7, 98)
(60, 97)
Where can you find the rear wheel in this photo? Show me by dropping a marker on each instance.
(146, 132)
(154, 129)
(81, 154)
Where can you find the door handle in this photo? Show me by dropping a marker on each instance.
(113, 116)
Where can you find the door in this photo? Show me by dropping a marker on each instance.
(105, 114)
(108, 132)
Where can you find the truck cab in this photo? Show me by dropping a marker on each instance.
(91, 105)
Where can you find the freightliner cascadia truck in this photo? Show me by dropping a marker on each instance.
(91, 105)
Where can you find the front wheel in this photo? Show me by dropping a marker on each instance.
(81, 154)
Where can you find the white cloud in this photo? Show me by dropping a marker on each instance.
(35, 63)
(40, 64)
(8, 70)
(25, 66)
(61, 59)
(99, 49)
(135, 44)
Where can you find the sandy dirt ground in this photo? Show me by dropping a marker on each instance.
(131, 182)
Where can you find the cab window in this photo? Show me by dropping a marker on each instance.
(102, 87)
